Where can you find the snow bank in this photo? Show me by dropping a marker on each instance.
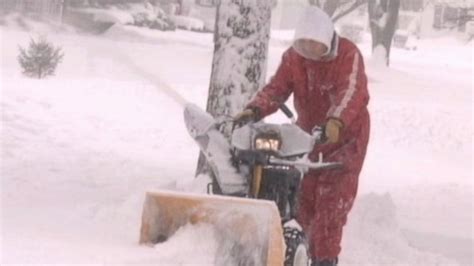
(379, 57)
(188, 23)
(373, 233)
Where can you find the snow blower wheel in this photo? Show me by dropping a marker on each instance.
(296, 248)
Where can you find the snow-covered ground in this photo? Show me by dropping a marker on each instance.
(80, 149)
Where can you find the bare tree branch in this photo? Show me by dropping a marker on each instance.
(344, 11)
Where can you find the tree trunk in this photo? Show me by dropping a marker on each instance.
(240, 58)
(383, 15)
(329, 6)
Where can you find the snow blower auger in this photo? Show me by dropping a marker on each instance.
(248, 232)
(252, 201)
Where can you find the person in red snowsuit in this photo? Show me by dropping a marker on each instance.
(325, 73)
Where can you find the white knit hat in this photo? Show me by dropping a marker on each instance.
(316, 25)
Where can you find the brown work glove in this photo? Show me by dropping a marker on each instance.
(333, 130)
(247, 115)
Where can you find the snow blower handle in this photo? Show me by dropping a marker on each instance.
(319, 134)
(288, 113)
(243, 118)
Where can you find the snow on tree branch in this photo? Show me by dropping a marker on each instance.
(347, 8)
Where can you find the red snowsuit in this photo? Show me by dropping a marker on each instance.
(323, 89)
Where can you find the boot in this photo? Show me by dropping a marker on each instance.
(325, 262)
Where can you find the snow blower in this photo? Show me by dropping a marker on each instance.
(252, 196)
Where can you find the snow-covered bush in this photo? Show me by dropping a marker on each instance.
(41, 58)
(188, 23)
(151, 17)
(163, 24)
(142, 19)
(153, 21)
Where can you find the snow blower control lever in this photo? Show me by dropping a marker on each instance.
(288, 113)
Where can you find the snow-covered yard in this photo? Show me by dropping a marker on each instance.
(80, 149)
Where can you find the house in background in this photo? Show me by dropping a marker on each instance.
(42, 9)
(453, 15)
(441, 15)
